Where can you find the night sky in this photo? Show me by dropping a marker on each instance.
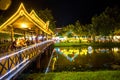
(68, 11)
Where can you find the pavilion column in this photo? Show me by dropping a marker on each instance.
(24, 35)
(40, 33)
(51, 35)
(42, 36)
(31, 36)
(12, 33)
(37, 35)
(46, 36)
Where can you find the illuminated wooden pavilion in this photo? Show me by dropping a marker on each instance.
(22, 22)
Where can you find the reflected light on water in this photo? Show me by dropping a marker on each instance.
(115, 50)
(71, 54)
(74, 51)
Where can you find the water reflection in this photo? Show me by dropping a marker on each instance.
(87, 58)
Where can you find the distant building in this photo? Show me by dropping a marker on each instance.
(57, 30)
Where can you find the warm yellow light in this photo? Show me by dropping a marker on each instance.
(23, 25)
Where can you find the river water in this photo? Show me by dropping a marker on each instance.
(85, 58)
(80, 59)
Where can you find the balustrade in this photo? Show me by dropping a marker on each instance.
(15, 62)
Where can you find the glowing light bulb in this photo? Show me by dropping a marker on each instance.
(23, 25)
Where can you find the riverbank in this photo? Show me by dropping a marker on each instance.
(92, 75)
(108, 44)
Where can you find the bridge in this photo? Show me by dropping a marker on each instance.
(12, 64)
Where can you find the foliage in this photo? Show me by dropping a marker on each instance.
(2, 19)
(68, 30)
(6, 36)
(46, 15)
(74, 30)
(105, 24)
(78, 28)
(117, 32)
(114, 13)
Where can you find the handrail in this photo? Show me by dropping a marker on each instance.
(12, 63)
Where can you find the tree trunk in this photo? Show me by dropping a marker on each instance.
(93, 38)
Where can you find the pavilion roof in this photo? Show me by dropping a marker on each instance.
(41, 22)
(22, 15)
